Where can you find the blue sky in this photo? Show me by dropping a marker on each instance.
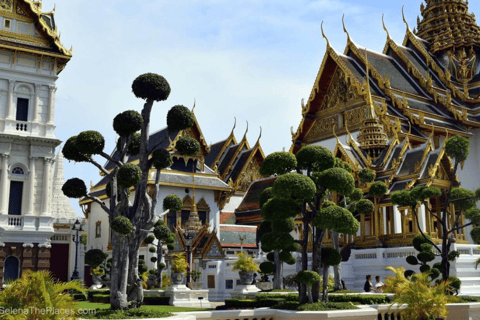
(250, 59)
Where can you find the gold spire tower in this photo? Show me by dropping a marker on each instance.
(193, 224)
(372, 137)
(447, 24)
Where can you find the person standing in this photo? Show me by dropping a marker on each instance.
(379, 285)
(368, 286)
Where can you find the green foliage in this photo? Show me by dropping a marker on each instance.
(364, 206)
(294, 186)
(426, 256)
(162, 233)
(129, 175)
(315, 158)
(134, 146)
(357, 194)
(434, 273)
(343, 165)
(151, 86)
(276, 241)
(430, 192)
(152, 249)
(265, 227)
(127, 123)
(359, 299)
(337, 219)
(403, 198)
(458, 148)
(284, 225)
(95, 257)
(74, 188)
(424, 268)
(335, 179)
(162, 265)
(308, 277)
(279, 209)
(453, 255)
(122, 225)
(267, 267)
(245, 263)
(90, 142)
(120, 190)
(172, 202)
(475, 234)
(278, 163)
(149, 239)
(462, 198)
(153, 259)
(187, 146)
(367, 175)
(412, 260)
(179, 264)
(137, 313)
(321, 306)
(473, 214)
(378, 188)
(266, 195)
(39, 290)
(71, 152)
(271, 256)
(286, 256)
(330, 257)
(161, 159)
(179, 118)
(419, 240)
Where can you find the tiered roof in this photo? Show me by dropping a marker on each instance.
(430, 83)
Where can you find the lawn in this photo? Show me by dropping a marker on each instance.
(103, 312)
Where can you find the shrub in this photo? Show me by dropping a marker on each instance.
(179, 264)
(149, 239)
(279, 209)
(336, 218)
(127, 123)
(330, 257)
(151, 86)
(266, 195)
(464, 199)
(179, 118)
(241, 303)
(378, 188)
(245, 263)
(321, 306)
(187, 146)
(308, 277)
(74, 188)
(360, 299)
(278, 163)
(172, 202)
(134, 146)
(458, 148)
(156, 301)
(95, 257)
(357, 194)
(294, 186)
(267, 268)
(403, 198)
(152, 249)
(367, 175)
(335, 179)
(161, 232)
(90, 142)
(71, 152)
(129, 175)
(283, 225)
(122, 225)
(161, 159)
(315, 158)
(364, 206)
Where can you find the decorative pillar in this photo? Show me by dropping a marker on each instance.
(43, 260)
(10, 109)
(27, 261)
(36, 104)
(4, 184)
(362, 226)
(397, 220)
(51, 109)
(31, 187)
(46, 186)
(383, 218)
(422, 217)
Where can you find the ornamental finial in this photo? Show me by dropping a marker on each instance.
(384, 27)
(345, 29)
(405, 20)
(323, 34)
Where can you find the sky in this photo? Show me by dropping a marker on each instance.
(250, 59)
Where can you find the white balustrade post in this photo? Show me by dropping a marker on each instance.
(10, 109)
(4, 184)
(47, 186)
(31, 187)
(421, 218)
(397, 220)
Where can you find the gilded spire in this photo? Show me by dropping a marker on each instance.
(448, 24)
(193, 224)
(372, 137)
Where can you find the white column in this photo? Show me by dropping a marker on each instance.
(10, 109)
(397, 220)
(384, 210)
(421, 218)
(51, 104)
(31, 187)
(4, 184)
(36, 104)
(47, 186)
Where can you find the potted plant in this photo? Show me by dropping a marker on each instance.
(179, 268)
(423, 299)
(196, 284)
(245, 267)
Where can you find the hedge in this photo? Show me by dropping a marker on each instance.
(360, 299)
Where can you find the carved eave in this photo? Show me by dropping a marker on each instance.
(231, 139)
(208, 246)
(243, 144)
(253, 163)
(341, 153)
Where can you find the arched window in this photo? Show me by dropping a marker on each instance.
(18, 171)
(11, 270)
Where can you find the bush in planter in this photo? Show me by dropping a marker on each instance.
(179, 264)
(245, 263)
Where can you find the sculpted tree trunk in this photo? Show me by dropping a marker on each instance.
(159, 263)
(278, 279)
(336, 269)
(118, 284)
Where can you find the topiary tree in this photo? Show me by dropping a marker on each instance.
(422, 243)
(309, 278)
(330, 257)
(304, 194)
(131, 221)
(164, 235)
(457, 148)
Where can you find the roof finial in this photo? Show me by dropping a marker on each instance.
(292, 132)
(246, 130)
(335, 134)
(344, 28)
(384, 27)
(323, 34)
(405, 20)
(260, 136)
(370, 107)
(348, 132)
(194, 104)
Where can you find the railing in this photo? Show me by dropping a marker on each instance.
(396, 254)
(15, 221)
(363, 256)
(21, 126)
(59, 237)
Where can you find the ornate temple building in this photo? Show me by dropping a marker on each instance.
(391, 112)
(35, 217)
(209, 183)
